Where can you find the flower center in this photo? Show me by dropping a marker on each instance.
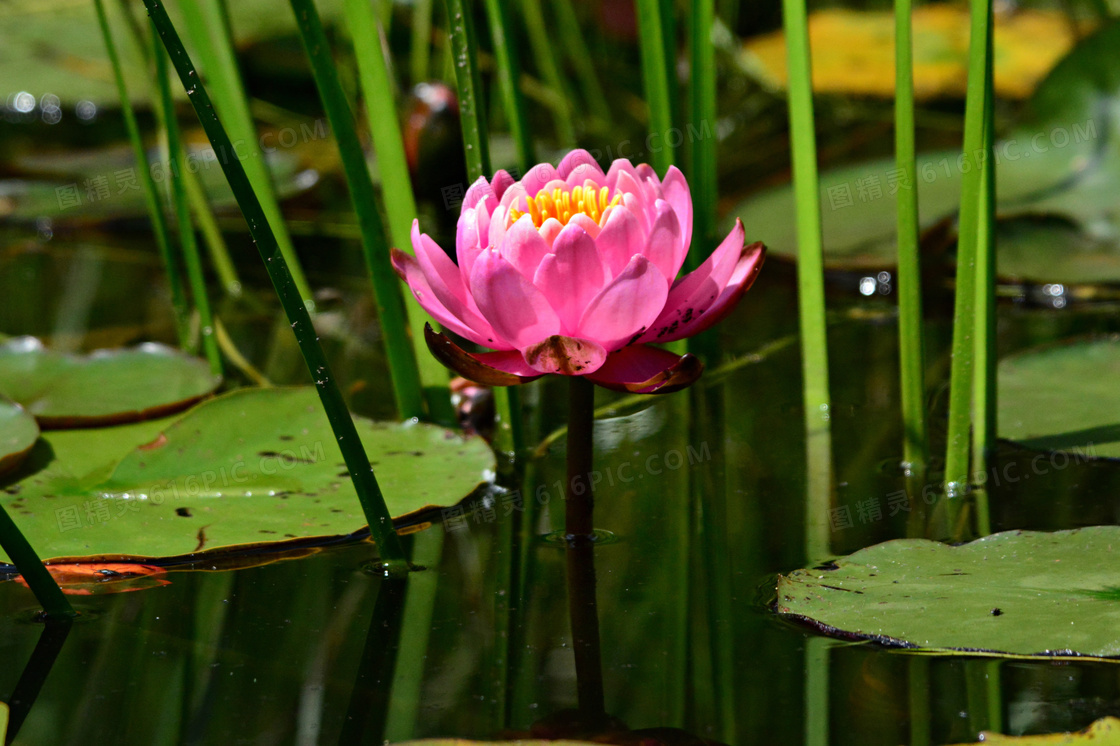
(562, 204)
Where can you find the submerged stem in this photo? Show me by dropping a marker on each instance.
(578, 527)
(34, 572)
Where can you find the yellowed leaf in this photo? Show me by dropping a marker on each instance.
(1104, 732)
(853, 51)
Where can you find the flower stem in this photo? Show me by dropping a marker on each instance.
(579, 527)
(357, 463)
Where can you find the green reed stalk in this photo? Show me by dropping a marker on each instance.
(403, 366)
(34, 572)
(420, 52)
(365, 483)
(817, 689)
(396, 190)
(984, 338)
(151, 196)
(176, 172)
(209, 32)
(540, 40)
(571, 39)
(509, 74)
(212, 235)
(964, 315)
(918, 694)
(655, 79)
(810, 280)
(915, 438)
(507, 421)
(702, 117)
(215, 243)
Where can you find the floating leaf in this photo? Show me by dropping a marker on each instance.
(853, 51)
(105, 387)
(1063, 397)
(18, 433)
(255, 466)
(1103, 732)
(1016, 593)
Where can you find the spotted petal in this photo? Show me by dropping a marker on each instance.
(640, 369)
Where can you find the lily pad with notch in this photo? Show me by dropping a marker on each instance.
(1016, 593)
(255, 468)
(103, 388)
(1063, 397)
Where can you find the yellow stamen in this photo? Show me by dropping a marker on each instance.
(564, 203)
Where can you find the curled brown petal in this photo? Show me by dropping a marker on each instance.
(480, 368)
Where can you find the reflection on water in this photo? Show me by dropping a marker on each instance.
(704, 492)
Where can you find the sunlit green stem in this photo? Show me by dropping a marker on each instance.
(151, 196)
(964, 316)
(509, 75)
(919, 696)
(396, 189)
(817, 691)
(984, 375)
(41, 583)
(209, 31)
(655, 79)
(365, 483)
(175, 179)
(915, 438)
(507, 424)
(702, 177)
(403, 368)
(541, 42)
(810, 280)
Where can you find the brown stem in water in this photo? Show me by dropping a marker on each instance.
(578, 527)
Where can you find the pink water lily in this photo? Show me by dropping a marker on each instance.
(572, 271)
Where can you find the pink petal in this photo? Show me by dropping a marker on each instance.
(500, 183)
(550, 230)
(469, 241)
(518, 312)
(571, 276)
(620, 166)
(578, 158)
(565, 355)
(621, 239)
(664, 245)
(626, 306)
(442, 274)
(479, 190)
(641, 209)
(538, 176)
(642, 369)
(513, 195)
(459, 319)
(523, 246)
(497, 228)
(590, 226)
(746, 270)
(677, 194)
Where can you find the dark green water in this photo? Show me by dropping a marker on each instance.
(704, 490)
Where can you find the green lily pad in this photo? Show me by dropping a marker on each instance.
(105, 387)
(1103, 732)
(255, 466)
(18, 433)
(1020, 593)
(1063, 398)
